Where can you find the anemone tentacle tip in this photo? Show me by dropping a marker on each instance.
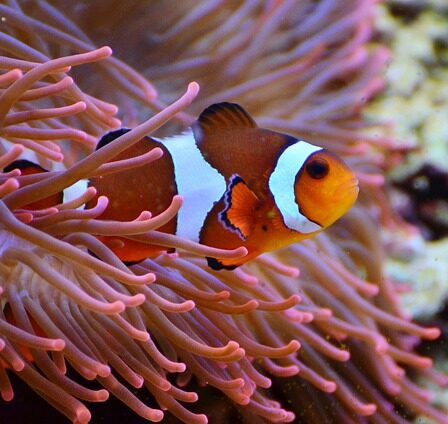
(432, 333)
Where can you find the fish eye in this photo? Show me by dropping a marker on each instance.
(317, 168)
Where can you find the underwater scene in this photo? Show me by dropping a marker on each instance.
(224, 211)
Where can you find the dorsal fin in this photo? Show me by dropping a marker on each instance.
(24, 164)
(111, 136)
(225, 115)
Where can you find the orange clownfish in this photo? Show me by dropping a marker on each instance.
(24, 350)
(242, 186)
(29, 168)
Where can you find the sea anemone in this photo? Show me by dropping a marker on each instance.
(329, 342)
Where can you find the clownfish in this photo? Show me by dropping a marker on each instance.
(241, 186)
(27, 167)
(24, 350)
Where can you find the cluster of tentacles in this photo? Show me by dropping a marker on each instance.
(332, 332)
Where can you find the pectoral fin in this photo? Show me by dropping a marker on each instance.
(241, 204)
(216, 233)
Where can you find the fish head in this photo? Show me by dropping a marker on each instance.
(325, 188)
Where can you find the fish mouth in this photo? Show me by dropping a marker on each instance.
(349, 190)
(353, 182)
(351, 186)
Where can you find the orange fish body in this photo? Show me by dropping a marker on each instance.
(132, 191)
(242, 186)
(28, 168)
(24, 350)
